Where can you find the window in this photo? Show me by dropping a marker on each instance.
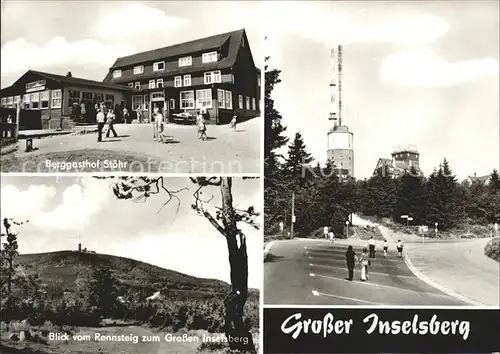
(35, 100)
(186, 61)
(138, 69)
(137, 85)
(187, 99)
(187, 80)
(178, 81)
(136, 101)
(17, 99)
(44, 99)
(211, 77)
(240, 101)
(160, 94)
(204, 98)
(10, 101)
(4, 101)
(229, 99)
(209, 57)
(172, 103)
(87, 96)
(110, 101)
(247, 102)
(26, 101)
(131, 84)
(159, 83)
(152, 84)
(159, 66)
(146, 102)
(117, 74)
(254, 105)
(74, 97)
(221, 99)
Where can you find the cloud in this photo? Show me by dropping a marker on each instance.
(320, 24)
(427, 69)
(79, 203)
(135, 20)
(18, 55)
(25, 204)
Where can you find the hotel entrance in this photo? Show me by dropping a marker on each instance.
(158, 100)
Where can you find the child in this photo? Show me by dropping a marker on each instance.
(202, 129)
(233, 123)
(399, 246)
(365, 262)
(386, 247)
(331, 235)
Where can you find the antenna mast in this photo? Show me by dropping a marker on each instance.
(332, 114)
(340, 82)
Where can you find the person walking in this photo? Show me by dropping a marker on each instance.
(399, 247)
(160, 125)
(139, 113)
(365, 262)
(351, 258)
(386, 247)
(371, 246)
(331, 236)
(325, 231)
(202, 129)
(100, 118)
(233, 123)
(126, 115)
(110, 117)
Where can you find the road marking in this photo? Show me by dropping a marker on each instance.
(379, 285)
(370, 272)
(317, 293)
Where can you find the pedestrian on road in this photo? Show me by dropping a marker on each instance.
(100, 124)
(233, 123)
(371, 245)
(331, 235)
(160, 125)
(202, 128)
(399, 246)
(386, 247)
(126, 115)
(365, 262)
(111, 121)
(139, 113)
(350, 257)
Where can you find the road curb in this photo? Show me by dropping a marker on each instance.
(267, 248)
(430, 282)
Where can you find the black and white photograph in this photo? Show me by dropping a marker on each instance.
(382, 153)
(130, 264)
(145, 86)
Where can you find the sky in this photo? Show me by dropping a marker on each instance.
(63, 211)
(415, 73)
(86, 37)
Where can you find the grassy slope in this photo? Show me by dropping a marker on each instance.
(492, 249)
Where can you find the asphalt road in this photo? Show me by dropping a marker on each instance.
(314, 272)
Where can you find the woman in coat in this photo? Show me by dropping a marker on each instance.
(350, 257)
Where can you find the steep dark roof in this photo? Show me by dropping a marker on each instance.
(78, 81)
(398, 168)
(180, 49)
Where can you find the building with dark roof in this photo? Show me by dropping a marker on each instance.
(403, 160)
(478, 179)
(216, 74)
(54, 101)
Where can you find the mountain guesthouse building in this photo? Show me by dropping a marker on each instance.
(216, 74)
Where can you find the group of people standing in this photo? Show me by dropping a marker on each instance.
(364, 260)
(105, 116)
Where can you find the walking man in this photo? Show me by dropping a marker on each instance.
(111, 121)
(371, 245)
(100, 124)
(350, 257)
(399, 247)
(386, 247)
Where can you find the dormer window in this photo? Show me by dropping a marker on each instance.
(186, 61)
(159, 83)
(131, 84)
(209, 57)
(159, 66)
(117, 74)
(138, 70)
(137, 85)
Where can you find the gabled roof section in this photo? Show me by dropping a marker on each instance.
(178, 50)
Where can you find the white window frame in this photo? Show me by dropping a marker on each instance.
(221, 98)
(181, 106)
(159, 83)
(10, 101)
(247, 102)
(117, 74)
(137, 84)
(35, 98)
(212, 77)
(17, 99)
(139, 69)
(134, 101)
(4, 101)
(155, 66)
(254, 104)
(186, 80)
(45, 100)
(205, 99)
(131, 84)
(55, 97)
(146, 102)
(240, 101)
(178, 81)
(210, 57)
(26, 100)
(172, 103)
(152, 84)
(229, 99)
(185, 61)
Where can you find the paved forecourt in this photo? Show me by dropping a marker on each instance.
(314, 272)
